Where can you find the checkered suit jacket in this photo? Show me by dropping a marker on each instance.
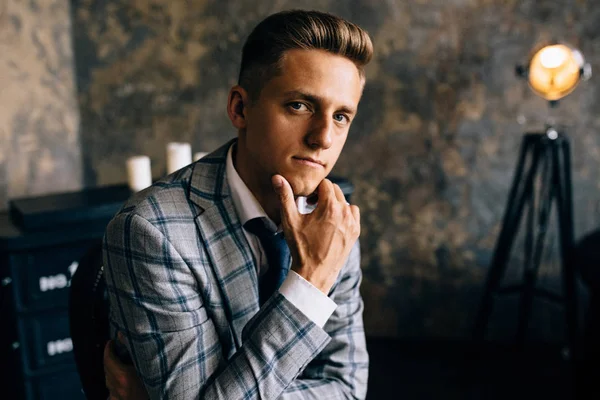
(183, 289)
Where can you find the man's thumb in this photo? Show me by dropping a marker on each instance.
(286, 195)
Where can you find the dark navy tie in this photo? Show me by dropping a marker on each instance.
(278, 257)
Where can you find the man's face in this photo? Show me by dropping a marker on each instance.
(299, 123)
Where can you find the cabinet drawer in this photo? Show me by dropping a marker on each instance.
(42, 277)
(64, 385)
(45, 340)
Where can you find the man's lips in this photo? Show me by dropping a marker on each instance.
(310, 161)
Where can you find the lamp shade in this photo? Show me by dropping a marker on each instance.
(555, 70)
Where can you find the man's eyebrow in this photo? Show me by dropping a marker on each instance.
(297, 94)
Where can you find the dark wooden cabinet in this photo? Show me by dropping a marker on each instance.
(39, 253)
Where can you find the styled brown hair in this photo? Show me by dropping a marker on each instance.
(299, 29)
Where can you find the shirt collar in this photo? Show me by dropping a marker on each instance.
(244, 201)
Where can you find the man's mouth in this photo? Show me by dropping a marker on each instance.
(308, 161)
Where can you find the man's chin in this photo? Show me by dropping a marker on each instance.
(303, 187)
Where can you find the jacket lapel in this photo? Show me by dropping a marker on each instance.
(228, 250)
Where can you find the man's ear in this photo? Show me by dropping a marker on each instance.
(237, 106)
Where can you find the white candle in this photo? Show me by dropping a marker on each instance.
(139, 174)
(199, 155)
(178, 156)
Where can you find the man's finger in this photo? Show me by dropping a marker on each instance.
(339, 195)
(108, 355)
(108, 366)
(356, 214)
(325, 191)
(286, 197)
(111, 361)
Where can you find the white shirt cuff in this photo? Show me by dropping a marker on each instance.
(307, 298)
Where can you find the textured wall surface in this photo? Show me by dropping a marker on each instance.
(431, 153)
(39, 142)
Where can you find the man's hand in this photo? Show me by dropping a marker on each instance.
(319, 242)
(121, 379)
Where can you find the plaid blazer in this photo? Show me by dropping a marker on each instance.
(183, 289)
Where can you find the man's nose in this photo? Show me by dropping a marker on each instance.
(320, 135)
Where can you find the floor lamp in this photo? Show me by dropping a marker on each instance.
(542, 177)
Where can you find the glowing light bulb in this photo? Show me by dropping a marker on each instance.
(555, 71)
(553, 56)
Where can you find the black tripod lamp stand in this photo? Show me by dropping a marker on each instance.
(542, 178)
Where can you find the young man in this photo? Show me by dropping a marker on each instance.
(209, 300)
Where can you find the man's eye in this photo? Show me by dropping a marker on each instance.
(341, 118)
(298, 106)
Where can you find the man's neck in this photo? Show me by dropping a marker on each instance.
(261, 188)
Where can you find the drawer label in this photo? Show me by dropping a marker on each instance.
(58, 281)
(60, 346)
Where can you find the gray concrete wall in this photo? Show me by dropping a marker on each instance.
(40, 151)
(431, 153)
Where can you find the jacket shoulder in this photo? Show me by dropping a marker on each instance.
(167, 197)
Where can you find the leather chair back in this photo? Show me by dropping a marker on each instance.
(88, 319)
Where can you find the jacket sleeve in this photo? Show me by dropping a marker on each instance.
(340, 371)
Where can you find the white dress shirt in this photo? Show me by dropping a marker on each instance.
(297, 290)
